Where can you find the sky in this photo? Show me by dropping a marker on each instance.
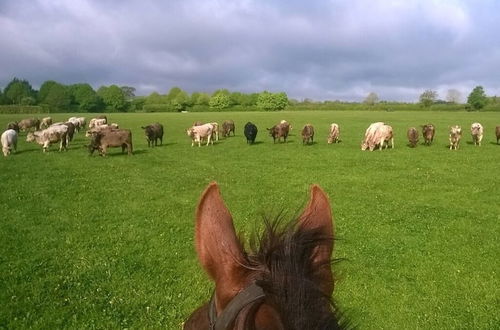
(316, 49)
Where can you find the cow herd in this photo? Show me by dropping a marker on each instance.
(102, 135)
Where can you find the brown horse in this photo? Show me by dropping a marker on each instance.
(285, 282)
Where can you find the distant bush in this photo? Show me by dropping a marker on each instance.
(10, 109)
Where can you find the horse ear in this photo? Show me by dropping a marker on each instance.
(217, 245)
(318, 216)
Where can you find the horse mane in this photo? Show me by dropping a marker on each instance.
(281, 263)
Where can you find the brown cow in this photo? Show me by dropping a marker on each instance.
(46, 122)
(279, 131)
(26, 124)
(308, 134)
(104, 139)
(455, 135)
(13, 125)
(497, 132)
(227, 128)
(412, 136)
(428, 131)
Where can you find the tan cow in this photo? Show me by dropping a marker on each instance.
(307, 134)
(428, 131)
(198, 133)
(369, 135)
(26, 124)
(497, 133)
(333, 136)
(412, 135)
(46, 122)
(455, 135)
(476, 130)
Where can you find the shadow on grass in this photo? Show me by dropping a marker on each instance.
(495, 143)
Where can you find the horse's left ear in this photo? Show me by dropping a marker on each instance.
(318, 216)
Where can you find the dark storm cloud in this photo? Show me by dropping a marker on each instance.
(317, 49)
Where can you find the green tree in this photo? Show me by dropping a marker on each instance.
(58, 98)
(198, 98)
(155, 98)
(180, 101)
(113, 97)
(45, 89)
(219, 101)
(128, 92)
(85, 97)
(17, 90)
(428, 97)
(272, 101)
(477, 98)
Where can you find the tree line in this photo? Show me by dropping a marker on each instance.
(56, 97)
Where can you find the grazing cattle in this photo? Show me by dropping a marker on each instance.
(153, 132)
(46, 122)
(455, 135)
(250, 132)
(285, 282)
(412, 136)
(102, 140)
(71, 130)
(279, 131)
(95, 122)
(53, 134)
(26, 124)
(428, 132)
(497, 133)
(13, 125)
(334, 135)
(476, 130)
(79, 122)
(9, 141)
(197, 133)
(369, 135)
(381, 137)
(308, 134)
(227, 128)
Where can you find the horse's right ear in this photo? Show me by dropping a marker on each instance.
(217, 245)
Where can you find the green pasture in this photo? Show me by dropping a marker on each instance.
(107, 243)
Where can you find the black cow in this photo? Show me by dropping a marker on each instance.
(153, 133)
(250, 132)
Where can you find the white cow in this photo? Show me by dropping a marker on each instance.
(197, 133)
(476, 130)
(9, 141)
(333, 136)
(455, 135)
(50, 135)
(369, 133)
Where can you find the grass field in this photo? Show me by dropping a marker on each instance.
(93, 242)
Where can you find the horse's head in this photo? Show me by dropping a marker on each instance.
(286, 283)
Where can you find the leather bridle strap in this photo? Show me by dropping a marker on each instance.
(249, 295)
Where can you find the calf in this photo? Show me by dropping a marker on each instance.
(9, 141)
(197, 133)
(428, 131)
(153, 132)
(333, 136)
(279, 131)
(50, 135)
(412, 136)
(26, 124)
(104, 139)
(476, 130)
(497, 133)
(308, 134)
(250, 132)
(455, 135)
(227, 128)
